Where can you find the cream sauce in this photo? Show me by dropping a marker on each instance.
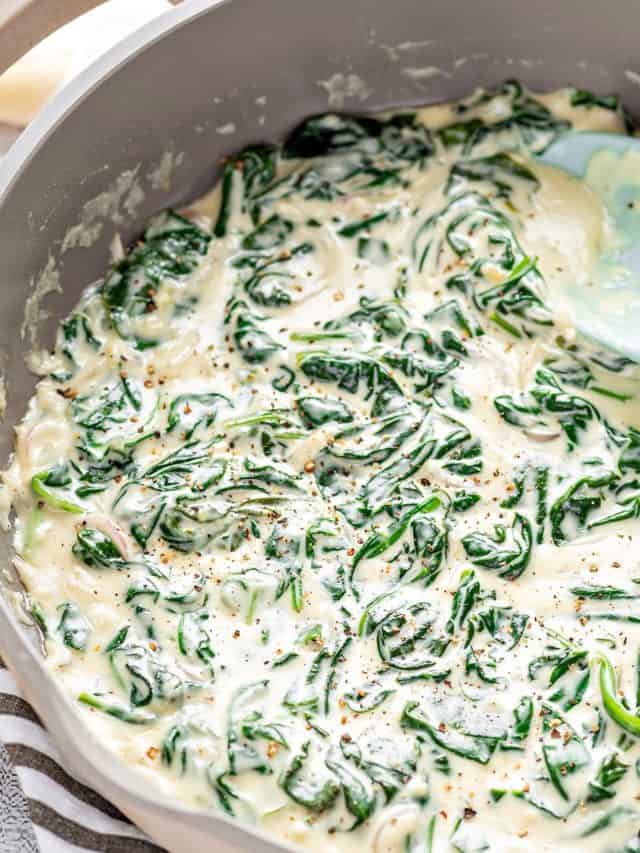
(219, 617)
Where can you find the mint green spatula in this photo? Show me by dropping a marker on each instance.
(609, 312)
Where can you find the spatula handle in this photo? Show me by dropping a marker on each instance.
(23, 23)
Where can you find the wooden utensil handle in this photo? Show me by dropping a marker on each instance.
(23, 23)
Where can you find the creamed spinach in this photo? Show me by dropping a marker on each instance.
(326, 515)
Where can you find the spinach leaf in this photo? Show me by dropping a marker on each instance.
(171, 249)
(618, 814)
(73, 626)
(348, 372)
(520, 114)
(609, 773)
(390, 776)
(612, 705)
(354, 228)
(400, 137)
(46, 483)
(403, 640)
(358, 793)
(244, 727)
(522, 719)
(462, 501)
(285, 549)
(191, 411)
(324, 135)
(563, 750)
(378, 543)
(268, 234)
(584, 98)
(478, 748)
(267, 279)
(254, 344)
(366, 698)
(253, 169)
(573, 413)
(508, 555)
(315, 793)
(244, 591)
(97, 550)
(500, 170)
(381, 318)
(115, 419)
(74, 332)
(193, 638)
(317, 411)
(576, 504)
(140, 672)
(135, 716)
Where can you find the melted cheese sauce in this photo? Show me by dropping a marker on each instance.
(328, 522)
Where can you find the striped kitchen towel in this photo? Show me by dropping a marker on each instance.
(43, 809)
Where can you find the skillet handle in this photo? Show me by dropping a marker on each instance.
(23, 23)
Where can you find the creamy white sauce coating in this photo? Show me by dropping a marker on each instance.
(241, 643)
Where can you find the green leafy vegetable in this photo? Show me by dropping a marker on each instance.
(73, 626)
(508, 555)
(171, 249)
(45, 483)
